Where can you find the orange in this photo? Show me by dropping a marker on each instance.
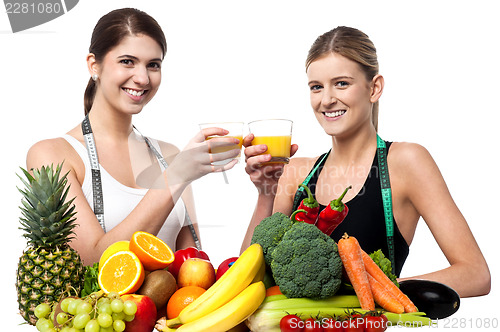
(274, 290)
(122, 273)
(181, 298)
(153, 253)
(115, 247)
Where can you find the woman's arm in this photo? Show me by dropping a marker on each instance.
(417, 180)
(271, 183)
(91, 240)
(151, 212)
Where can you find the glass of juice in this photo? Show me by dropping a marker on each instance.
(235, 130)
(276, 134)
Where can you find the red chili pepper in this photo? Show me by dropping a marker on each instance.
(311, 207)
(293, 217)
(333, 214)
(181, 255)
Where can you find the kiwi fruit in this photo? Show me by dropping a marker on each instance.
(159, 285)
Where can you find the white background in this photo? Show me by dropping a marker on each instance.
(244, 60)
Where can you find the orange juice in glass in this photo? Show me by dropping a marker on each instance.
(276, 134)
(235, 130)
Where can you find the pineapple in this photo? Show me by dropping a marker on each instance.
(49, 268)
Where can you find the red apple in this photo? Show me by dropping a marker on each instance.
(224, 266)
(196, 272)
(145, 317)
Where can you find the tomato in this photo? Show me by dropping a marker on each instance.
(332, 325)
(291, 323)
(376, 323)
(354, 324)
(312, 325)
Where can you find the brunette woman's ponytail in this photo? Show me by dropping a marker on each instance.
(88, 97)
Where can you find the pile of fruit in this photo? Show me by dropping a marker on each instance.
(141, 284)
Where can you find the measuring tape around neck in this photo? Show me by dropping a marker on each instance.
(96, 172)
(97, 183)
(385, 187)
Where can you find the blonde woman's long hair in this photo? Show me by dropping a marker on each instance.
(352, 44)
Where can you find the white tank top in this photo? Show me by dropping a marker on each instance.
(119, 200)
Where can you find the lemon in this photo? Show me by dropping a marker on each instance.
(114, 248)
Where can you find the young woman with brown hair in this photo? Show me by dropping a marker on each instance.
(345, 86)
(124, 62)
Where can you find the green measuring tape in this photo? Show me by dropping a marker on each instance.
(385, 186)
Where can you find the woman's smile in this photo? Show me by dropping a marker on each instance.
(334, 115)
(136, 95)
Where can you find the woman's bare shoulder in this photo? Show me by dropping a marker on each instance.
(408, 154)
(51, 151)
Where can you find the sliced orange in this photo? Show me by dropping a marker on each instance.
(153, 253)
(115, 247)
(122, 273)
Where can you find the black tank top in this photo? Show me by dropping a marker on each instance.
(365, 219)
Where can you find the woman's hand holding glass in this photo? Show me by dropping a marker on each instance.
(263, 174)
(198, 157)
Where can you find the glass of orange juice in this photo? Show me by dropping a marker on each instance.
(276, 134)
(235, 130)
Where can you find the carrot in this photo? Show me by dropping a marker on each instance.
(384, 298)
(350, 254)
(373, 270)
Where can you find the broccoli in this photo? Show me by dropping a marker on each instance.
(306, 263)
(269, 233)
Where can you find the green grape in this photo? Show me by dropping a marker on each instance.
(67, 329)
(81, 320)
(44, 325)
(41, 323)
(50, 329)
(105, 320)
(73, 306)
(92, 326)
(42, 310)
(129, 307)
(119, 325)
(129, 318)
(84, 308)
(118, 315)
(65, 303)
(103, 300)
(117, 305)
(105, 309)
(62, 318)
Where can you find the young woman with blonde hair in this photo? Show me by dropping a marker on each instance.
(345, 86)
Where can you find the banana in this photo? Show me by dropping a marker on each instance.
(230, 314)
(232, 283)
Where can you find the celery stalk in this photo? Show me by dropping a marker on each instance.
(339, 301)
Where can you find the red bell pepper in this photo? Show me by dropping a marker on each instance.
(311, 207)
(183, 254)
(333, 214)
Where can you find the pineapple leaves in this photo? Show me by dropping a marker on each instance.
(48, 219)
